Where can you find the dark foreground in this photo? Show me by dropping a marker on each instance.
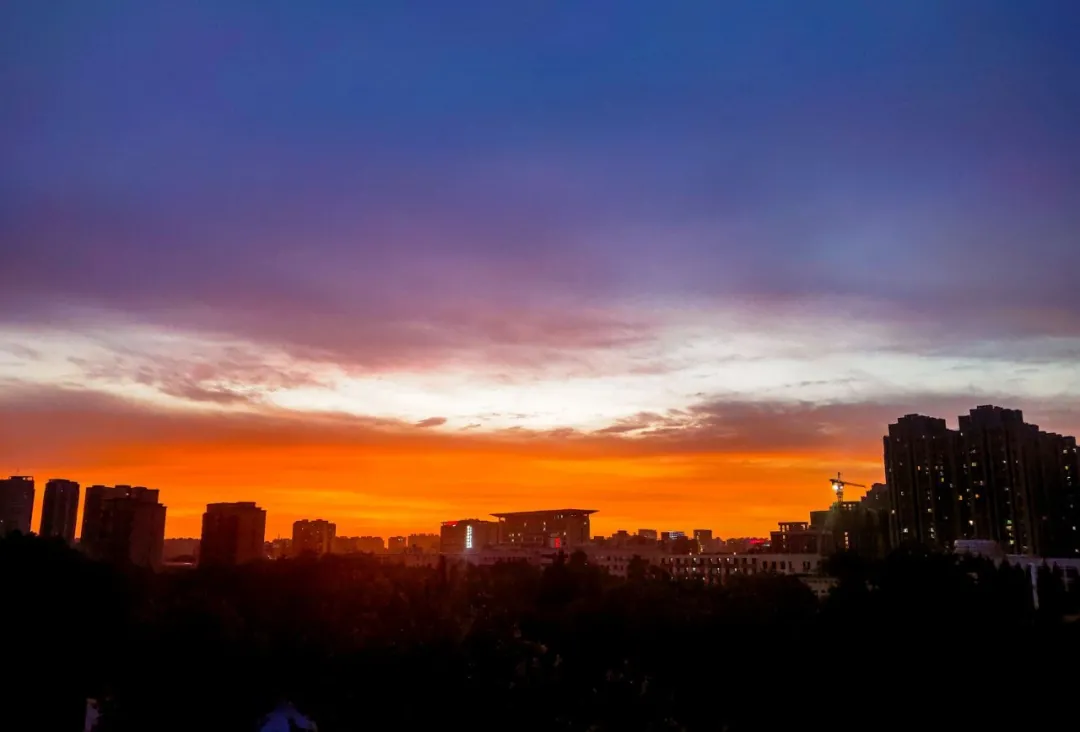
(914, 642)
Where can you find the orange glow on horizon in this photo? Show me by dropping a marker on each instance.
(389, 485)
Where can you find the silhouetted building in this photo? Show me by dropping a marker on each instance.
(313, 537)
(559, 528)
(424, 543)
(396, 545)
(371, 544)
(800, 537)
(232, 533)
(278, 548)
(851, 526)
(128, 526)
(997, 478)
(345, 545)
(16, 504)
(649, 534)
(743, 545)
(704, 539)
(59, 509)
(877, 498)
(922, 472)
(359, 545)
(96, 495)
(180, 551)
(1063, 461)
(467, 535)
(1021, 485)
(670, 536)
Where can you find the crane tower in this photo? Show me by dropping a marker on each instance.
(838, 485)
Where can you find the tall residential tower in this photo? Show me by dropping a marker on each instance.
(232, 533)
(16, 504)
(59, 509)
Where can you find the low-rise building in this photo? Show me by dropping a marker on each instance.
(424, 543)
(359, 545)
(561, 528)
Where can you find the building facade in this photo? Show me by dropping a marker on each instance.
(16, 504)
(59, 509)
(561, 528)
(424, 543)
(232, 534)
(467, 535)
(359, 545)
(93, 506)
(1021, 483)
(127, 526)
(800, 537)
(313, 537)
(996, 478)
(924, 477)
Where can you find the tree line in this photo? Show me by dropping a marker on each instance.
(917, 638)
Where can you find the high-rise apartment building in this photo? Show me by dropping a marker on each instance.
(397, 545)
(314, 537)
(96, 495)
(995, 478)
(923, 474)
(232, 534)
(1063, 461)
(124, 524)
(59, 509)
(1021, 487)
(16, 504)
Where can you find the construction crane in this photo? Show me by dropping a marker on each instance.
(838, 485)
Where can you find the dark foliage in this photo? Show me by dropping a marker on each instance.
(918, 641)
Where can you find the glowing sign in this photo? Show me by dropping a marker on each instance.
(468, 536)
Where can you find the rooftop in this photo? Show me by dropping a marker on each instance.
(548, 512)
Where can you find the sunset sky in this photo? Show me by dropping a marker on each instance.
(393, 263)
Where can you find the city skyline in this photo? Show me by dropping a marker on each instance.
(397, 264)
(916, 427)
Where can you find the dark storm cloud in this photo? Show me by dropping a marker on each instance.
(384, 186)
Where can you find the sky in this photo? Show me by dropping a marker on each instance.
(394, 263)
